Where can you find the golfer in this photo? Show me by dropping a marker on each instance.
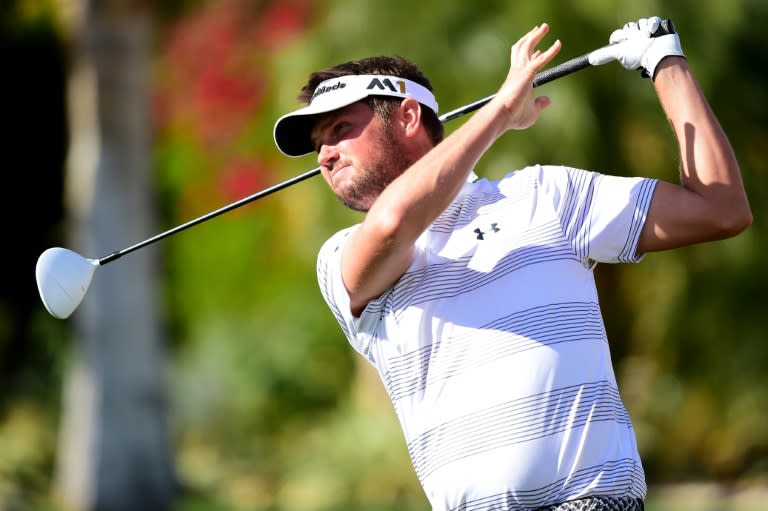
(475, 299)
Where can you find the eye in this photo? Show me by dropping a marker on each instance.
(339, 129)
(332, 134)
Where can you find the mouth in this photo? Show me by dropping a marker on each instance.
(337, 172)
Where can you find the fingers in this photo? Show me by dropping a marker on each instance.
(653, 24)
(541, 102)
(644, 27)
(524, 54)
(618, 36)
(524, 46)
(534, 37)
(553, 50)
(516, 94)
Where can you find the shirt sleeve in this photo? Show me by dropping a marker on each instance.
(359, 331)
(602, 216)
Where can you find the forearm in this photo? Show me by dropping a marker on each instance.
(381, 249)
(416, 198)
(706, 154)
(429, 186)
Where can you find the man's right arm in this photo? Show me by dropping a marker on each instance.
(381, 249)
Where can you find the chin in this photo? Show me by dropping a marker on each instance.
(354, 205)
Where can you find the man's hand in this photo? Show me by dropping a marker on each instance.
(516, 94)
(636, 47)
(640, 44)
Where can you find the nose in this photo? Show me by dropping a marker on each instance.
(327, 155)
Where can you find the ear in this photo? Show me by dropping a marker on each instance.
(410, 116)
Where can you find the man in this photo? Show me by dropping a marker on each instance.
(475, 300)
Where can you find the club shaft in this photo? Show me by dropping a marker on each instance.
(258, 195)
(541, 78)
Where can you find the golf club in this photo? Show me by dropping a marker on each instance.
(63, 276)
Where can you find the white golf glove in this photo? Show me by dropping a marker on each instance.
(640, 44)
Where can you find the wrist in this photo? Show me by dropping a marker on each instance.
(669, 65)
(661, 48)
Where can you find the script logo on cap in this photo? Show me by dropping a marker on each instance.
(328, 88)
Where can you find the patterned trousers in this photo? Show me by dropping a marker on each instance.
(598, 504)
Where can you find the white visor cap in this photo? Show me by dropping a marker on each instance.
(293, 131)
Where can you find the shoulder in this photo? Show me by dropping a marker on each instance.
(334, 244)
(546, 178)
(540, 172)
(557, 179)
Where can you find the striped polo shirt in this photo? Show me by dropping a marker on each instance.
(492, 346)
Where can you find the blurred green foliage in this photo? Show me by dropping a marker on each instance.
(271, 408)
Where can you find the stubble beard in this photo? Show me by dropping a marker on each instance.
(374, 177)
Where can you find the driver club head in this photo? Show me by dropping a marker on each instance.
(63, 277)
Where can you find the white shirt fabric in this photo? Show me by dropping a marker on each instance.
(492, 346)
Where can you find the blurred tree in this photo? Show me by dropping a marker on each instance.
(114, 453)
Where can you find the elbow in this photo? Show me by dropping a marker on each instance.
(385, 226)
(735, 221)
(743, 222)
(395, 225)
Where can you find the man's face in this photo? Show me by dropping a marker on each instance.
(358, 153)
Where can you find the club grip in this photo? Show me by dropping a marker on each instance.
(561, 70)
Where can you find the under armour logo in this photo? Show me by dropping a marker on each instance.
(480, 233)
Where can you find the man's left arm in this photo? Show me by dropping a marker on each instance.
(710, 202)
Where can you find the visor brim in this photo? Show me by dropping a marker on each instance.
(293, 131)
